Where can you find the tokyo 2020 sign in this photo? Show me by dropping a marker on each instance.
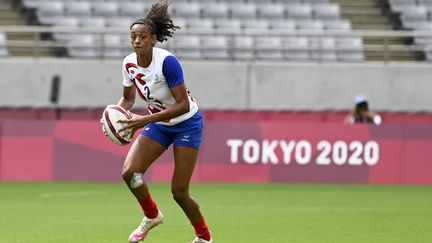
(251, 152)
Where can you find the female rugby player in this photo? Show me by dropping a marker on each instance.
(156, 75)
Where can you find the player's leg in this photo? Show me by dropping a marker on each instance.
(142, 154)
(185, 160)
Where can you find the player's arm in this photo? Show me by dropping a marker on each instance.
(180, 107)
(128, 98)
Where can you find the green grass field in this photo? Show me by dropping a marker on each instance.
(106, 212)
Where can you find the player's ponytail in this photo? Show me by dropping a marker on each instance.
(159, 21)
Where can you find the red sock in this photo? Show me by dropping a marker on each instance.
(149, 207)
(201, 229)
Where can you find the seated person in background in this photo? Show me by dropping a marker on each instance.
(361, 113)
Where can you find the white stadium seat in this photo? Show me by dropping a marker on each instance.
(187, 46)
(243, 47)
(133, 9)
(283, 24)
(326, 11)
(78, 8)
(349, 48)
(233, 24)
(299, 11)
(271, 11)
(243, 10)
(84, 46)
(47, 12)
(262, 24)
(186, 9)
(269, 47)
(200, 23)
(297, 48)
(108, 9)
(216, 11)
(323, 49)
(215, 47)
(3, 45)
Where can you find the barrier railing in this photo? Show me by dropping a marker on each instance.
(383, 49)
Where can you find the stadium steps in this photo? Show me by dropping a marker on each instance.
(373, 15)
(10, 15)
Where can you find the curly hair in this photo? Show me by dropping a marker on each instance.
(159, 21)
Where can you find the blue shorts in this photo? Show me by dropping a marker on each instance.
(186, 133)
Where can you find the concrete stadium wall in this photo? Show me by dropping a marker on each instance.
(228, 85)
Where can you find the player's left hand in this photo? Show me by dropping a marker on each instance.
(133, 124)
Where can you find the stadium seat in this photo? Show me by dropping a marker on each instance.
(283, 24)
(92, 21)
(271, 11)
(412, 15)
(314, 25)
(48, 12)
(216, 10)
(243, 10)
(119, 22)
(428, 52)
(261, 24)
(297, 48)
(108, 9)
(349, 48)
(186, 10)
(215, 47)
(3, 45)
(326, 11)
(423, 26)
(323, 49)
(78, 8)
(83, 47)
(133, 10)
(32, 3)
(299, 11)
(243, 48)
(269, 47)
(71, 21)
(399, 5)
(200, 23)
(337, 25)
(187, 46)
(230, 24)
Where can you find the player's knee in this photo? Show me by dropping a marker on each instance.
(127, 174)
(179, 194)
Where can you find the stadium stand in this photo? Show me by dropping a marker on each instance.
(234, 16)
(415, 15)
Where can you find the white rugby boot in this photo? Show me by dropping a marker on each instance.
(146, 225)
(199, 240)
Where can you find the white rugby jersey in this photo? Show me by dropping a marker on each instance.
(153, 83)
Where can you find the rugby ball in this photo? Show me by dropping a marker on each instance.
(110, 125)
